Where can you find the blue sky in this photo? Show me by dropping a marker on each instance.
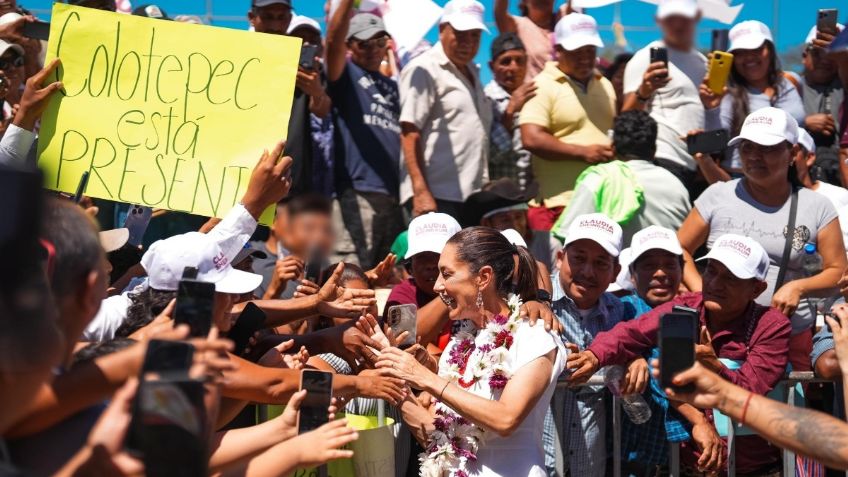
(792, 18)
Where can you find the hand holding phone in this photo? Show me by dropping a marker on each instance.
(718, 71)
(707, 142)
(677, 337)
(826, 21)
(37, 30)
(402, 318)
(319, 393)
(307, 57)
(659, 54)
(195, 305)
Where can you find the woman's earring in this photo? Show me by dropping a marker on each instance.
(480, 301)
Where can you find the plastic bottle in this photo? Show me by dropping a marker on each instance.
(634, 405)
(812, 263)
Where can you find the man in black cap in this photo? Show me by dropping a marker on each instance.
(508, 93)
(502, 205)
(367, 132)
(274, 17)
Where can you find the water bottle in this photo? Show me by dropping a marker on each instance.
(812, 262)
(634, 405)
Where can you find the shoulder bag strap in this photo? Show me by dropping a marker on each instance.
(790, 237)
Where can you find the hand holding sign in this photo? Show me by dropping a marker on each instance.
(36, 97)
(270, 181)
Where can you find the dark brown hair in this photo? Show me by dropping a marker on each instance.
(738, 90)
(482, 246)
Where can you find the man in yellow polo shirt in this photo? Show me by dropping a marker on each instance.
(565, 126)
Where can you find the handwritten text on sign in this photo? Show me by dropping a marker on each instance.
(161, 113)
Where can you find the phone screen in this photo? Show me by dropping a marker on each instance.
(307, 56)
(659, 54)
(319, 392)
(36, 30)
(168, 427)
(251, 320)
(166, 356)
(402, 318)
(678, 335)
(313, 271)
(195, 302)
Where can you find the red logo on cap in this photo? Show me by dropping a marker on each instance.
(220, 261)
(739, 247)
(601, 225)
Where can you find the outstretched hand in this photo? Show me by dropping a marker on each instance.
(382, 274)
(270, 181)
(339, 302)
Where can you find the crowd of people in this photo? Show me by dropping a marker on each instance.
(541, 226)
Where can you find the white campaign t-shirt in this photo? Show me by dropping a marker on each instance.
(838, 196)
(676, 107)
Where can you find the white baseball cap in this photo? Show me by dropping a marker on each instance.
(681, 8)
(806, 141)
(768, 126)
(514, 237)
(598, 228)
(114, 239)
(576, 31)
(654, 237)
(623, 281)
(464, 15)
(743, 256)
(299, 21)
(749, 35)
(430, 232)
(814, 31)
(165, 260)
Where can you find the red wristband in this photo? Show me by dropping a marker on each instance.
(745, 408)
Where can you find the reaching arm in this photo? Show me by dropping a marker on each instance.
(336, 56)
(235, 445)
(431, 319)
(542, 143)
(413, 155)
(692, 234)
(503, 19)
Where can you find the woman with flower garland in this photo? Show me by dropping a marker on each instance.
(495, 377)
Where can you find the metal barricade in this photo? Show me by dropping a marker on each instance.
(790, 382)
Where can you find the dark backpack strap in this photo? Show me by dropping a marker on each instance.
(790, 237)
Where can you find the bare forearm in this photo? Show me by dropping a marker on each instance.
(691, 276)
(320, 105)
(632, 103)
(413, 155)
(712, 171)
(688, 411)
(336, 36)
(282, 312)
(236, 445)
(546, 146)
(822, 285)
(417, 418)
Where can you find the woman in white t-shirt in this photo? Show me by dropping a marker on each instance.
(496, 377)
(758, 206)
(756, 81)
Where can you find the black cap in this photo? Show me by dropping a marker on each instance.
(503, 192)
(150, 11)
(505, 42)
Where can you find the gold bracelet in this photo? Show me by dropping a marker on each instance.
(442, 393)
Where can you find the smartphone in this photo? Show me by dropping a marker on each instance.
(251, 320)
(37, 30)
(720, 39)
(83, 184)
(678, 336)
(195, 301)
(826, 21)
(137, 221)
(167, 356)
(314, 270)
(659, 54)
(168, 427)
(718, 70)
(319, 392)
(307, 57)
(708, 142)
(402, 318)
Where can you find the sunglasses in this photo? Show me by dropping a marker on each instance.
(380, 42)
(17, 62)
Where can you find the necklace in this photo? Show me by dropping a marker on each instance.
(453, 445)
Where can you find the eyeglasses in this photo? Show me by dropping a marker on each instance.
(380, 42)
(17, 62)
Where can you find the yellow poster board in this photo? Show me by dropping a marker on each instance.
(164, 114)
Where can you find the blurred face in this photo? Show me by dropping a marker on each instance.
(818, 67)
(369, 54)
(766, 164)
(512, 219)
(657, 275)
(509, 69)
(585, 272)
(310, 230)
(678, 31)
(7, 6)
(272, 19)
(425, 271)
(460, 46)
(725, 295)
(753, 65)
(457, 286)
(221, 311)
(578, 64)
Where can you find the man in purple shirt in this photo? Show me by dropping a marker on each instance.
(734, 328)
